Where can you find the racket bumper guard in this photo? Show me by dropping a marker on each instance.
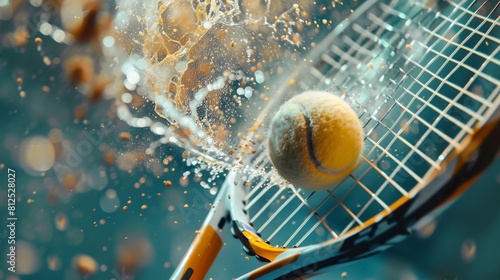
(254, 243)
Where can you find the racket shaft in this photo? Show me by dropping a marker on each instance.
(207, 243)
(202, 253)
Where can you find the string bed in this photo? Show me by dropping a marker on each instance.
(421, 79)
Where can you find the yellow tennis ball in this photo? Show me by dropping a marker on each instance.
(315, 140)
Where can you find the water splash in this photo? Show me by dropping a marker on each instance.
(206, 66)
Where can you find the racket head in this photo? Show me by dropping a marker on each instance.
(422, 81)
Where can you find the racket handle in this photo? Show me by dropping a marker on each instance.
(201, 255)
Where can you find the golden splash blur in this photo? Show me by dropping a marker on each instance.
(37, 154)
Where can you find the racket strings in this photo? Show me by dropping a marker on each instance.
(416, 115)
(313, 211)
(460, 65)
(464, 127)
(432, 128)
(261, 186)
(321, 219)
(411, 126)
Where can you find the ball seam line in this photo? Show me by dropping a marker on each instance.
(310, 145)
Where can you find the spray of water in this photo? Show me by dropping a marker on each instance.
(206, 66)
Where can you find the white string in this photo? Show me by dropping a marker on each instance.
(357, 54)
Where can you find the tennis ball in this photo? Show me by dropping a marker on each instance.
(315, 140)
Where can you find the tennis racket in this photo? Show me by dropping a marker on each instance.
(423, 77)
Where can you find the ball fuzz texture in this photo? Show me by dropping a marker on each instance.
(315, 140)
